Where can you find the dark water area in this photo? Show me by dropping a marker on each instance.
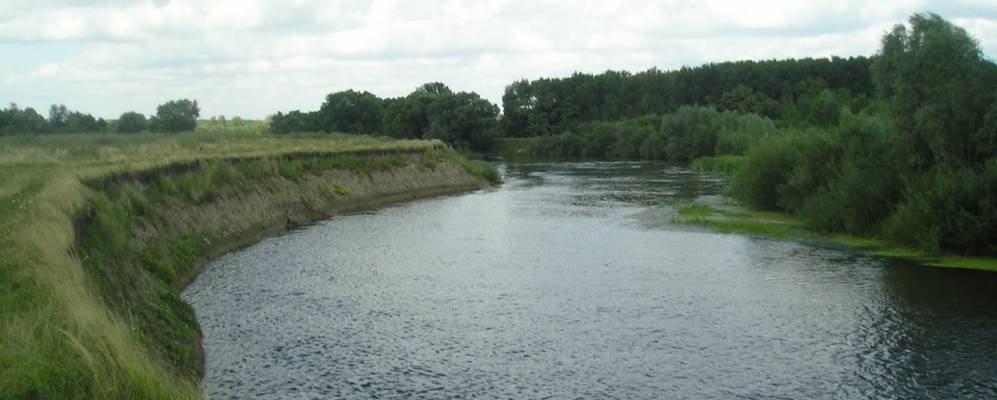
(568, 281)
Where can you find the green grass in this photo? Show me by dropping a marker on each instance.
(84, 312)
(785, 226)
(727, 163)
(724, 221)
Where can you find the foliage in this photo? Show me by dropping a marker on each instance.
(726, 163)
(775, 89)
(950, 209)
(131, 122)
(175, 116)
(432, 111)
(351, 112)
(294, 122)
(920, 171)
(938, 87)
(18, 121)
(686, 134)
(236, 125)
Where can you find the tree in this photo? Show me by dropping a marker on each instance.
(351, 112)
(176, 116)
(938, 87)
(434, 88)
(17, 121)
(58, 116)
(131, 122)
(463, 119)
(294, 121)
(81, 123)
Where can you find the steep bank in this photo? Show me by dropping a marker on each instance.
(147, 234)
(93, 254)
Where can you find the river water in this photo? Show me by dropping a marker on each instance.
(568, 281)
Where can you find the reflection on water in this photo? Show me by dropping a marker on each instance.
(564, 283)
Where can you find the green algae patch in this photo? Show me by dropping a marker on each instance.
(740, 221)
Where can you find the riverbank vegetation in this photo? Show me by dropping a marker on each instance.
(94, 250)
(734, 219)
(922, 172)
(905, 151)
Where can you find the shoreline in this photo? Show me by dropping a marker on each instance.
(740, 221)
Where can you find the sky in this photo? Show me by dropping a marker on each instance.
(251, 58)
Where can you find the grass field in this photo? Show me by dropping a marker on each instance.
(58, 336)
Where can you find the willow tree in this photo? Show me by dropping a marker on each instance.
(938, 87)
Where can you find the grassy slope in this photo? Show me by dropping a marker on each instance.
(784, 226)
(58, 339)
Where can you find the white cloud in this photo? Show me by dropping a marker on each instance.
(256, 57)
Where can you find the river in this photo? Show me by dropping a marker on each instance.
(568, 281)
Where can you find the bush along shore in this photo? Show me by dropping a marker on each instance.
(94, 253)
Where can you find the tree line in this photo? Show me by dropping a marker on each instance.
(172, 116)
(808, 91)
(431, 111)
(783, 89)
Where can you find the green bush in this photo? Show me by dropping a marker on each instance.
(950, 210)
(766, 170)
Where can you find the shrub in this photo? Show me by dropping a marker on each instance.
(950, 210)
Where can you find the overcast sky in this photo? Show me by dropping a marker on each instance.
(255, 57)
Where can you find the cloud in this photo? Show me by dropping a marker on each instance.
(252, 58)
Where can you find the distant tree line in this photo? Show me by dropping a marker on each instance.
(432, 111)
(172, 116)
(786, 89)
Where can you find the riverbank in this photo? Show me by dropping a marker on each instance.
(100, 233)
(737, 220)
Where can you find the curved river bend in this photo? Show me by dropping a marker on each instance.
(568, 282)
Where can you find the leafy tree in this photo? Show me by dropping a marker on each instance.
(58, 116)
(435, 111)
(176, 116)
(463, 119)
(131, 122)
(294, 121)
(17, 121)
(434, 88)
(938, 87)
(351, 112)
(81, 123)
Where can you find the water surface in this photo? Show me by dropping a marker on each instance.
(569, 282)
